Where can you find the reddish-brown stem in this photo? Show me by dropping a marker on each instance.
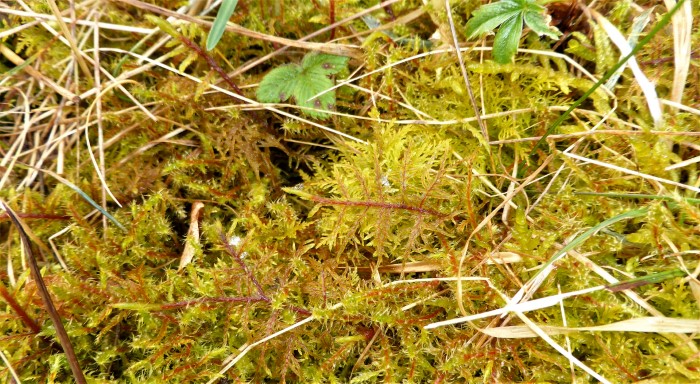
(212, 63)
(32, 216)
(28, 321)
(331, 16)
(206, 300)
(237, 257)
(377, 204)
(261, 294)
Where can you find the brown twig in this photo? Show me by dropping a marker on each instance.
(46, 298)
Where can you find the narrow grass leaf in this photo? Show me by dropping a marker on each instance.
(219, 26)
(641, 324)
(81, 193)
(657, 28)
(536, 281)
(645, 280)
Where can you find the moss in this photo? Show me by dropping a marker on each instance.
(298, 222)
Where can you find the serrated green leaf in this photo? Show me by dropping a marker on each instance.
(323, 63)
(539, 24)
(491, 16)
(219, 26)
(506, 42)
(304, 82)
(313, 85)
(530, 5)
(279, 84)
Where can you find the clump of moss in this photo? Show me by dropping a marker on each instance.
(363, 237)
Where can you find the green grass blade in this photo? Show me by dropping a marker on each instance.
(80, 192)
(657, 28)
(590, 232)
(538, 279)
(689, 200)
(644, 280)
(217, 30)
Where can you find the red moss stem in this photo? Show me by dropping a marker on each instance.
(377, 204)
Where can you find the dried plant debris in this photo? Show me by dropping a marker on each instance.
(315, 200)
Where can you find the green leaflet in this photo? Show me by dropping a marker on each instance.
(509, 14)
(507, 38)
(219, 26)
(303, 82)
(489, 17)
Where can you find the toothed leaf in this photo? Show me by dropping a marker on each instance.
(506, 43)
(279, 84)
(539, 24)
(303, 82)
(491, 16)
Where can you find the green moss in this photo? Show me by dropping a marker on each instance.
(298, 222)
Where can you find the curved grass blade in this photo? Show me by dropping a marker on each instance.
(689, 200)
(217, 29)
(531, 286)
(657, 28)
(644, 280)
(81, 193)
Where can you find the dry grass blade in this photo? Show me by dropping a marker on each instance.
(42, 16)
(526, 306)
(682, 44)
(248, 347)
(256, 62)
(640, 324)
(9, 367)
(647, 86)
(46, 298)
(238, 97)
(631, 172)
(485, 221)
(333, 49)
(15, 59)
(463, 69)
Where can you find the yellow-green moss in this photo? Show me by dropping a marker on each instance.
(286, 227)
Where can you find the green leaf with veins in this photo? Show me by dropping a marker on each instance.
(303, 82)
(509, 15)
(506, 42)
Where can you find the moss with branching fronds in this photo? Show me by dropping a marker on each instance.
(188, 233)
